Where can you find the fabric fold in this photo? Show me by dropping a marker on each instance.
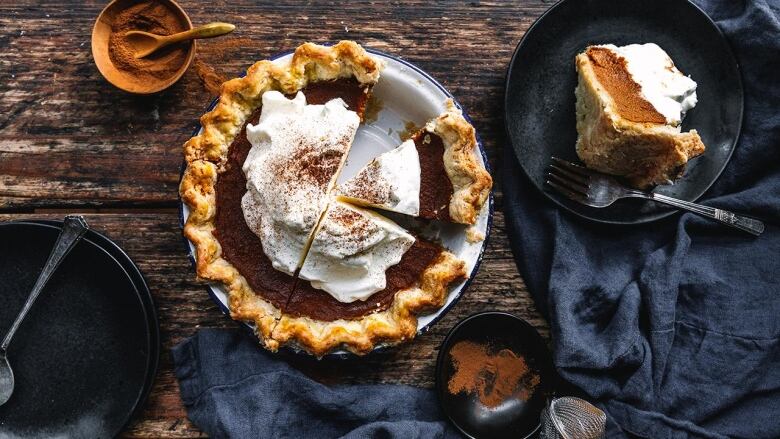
(233, 389)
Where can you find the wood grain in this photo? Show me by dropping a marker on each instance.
(69, 141)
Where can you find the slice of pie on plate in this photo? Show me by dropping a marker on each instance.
(434, 175)
(630, 104)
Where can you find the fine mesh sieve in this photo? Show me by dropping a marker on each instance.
(572, 418)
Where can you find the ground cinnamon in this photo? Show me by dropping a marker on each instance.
(154, 17)
(219, 51)
(493, 376)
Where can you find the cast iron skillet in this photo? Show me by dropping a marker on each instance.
(517, 419)
(539, 100)
(86, 356)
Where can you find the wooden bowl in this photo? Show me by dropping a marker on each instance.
(119, 78)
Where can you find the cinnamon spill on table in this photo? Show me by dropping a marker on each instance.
(214, 53)
(209, 78)
(494, 376)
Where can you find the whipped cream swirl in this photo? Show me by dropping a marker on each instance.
(297, 152)
(351, 252)
(390, 181)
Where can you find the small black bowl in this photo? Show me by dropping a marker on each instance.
(517, 419)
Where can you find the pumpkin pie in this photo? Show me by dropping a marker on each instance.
(630, 103)
(305, 268)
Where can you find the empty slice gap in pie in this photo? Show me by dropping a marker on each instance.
(434, 175)
(630, 104)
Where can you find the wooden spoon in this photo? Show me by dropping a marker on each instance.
(145, 43)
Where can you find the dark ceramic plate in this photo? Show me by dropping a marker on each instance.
(539, 101)
(513, 419)
(85, 357)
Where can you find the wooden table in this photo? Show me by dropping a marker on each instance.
(70, 142)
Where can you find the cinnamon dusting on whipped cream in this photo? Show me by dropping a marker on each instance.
(297, 151)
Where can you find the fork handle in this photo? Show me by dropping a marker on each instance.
(744, 223)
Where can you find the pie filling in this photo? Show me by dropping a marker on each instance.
(240, 246)
(244, 250)
(643, 82)
(435, 185)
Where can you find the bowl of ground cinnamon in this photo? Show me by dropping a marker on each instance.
(494, 376)
(114, 56)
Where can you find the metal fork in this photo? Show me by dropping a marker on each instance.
(594, 189)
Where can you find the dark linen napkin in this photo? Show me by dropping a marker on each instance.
(232, 388)
(673, 328)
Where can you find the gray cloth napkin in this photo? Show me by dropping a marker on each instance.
(232, 388)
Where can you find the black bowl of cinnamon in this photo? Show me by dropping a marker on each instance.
(494, 376)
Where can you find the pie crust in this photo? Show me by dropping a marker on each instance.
(471, 183)
(206, 155)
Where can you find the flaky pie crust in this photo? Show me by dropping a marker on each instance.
(205, 156)
(391, 326)
(471, 182)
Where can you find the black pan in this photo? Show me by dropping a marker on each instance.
(86, 356)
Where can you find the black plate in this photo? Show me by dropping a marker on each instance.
(516, 420)
(540, 84)
(85, 357)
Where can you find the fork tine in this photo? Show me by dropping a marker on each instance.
(568, 184)
(576, 196)
(581, 170)
(584, 181)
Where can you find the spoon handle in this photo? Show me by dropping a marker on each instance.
(73, 229)
(210, 30)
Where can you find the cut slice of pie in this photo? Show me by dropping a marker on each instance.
(351, 251)
(390, 181)
(630, 103)
(363, 282)
(434, 175)
(214, 183)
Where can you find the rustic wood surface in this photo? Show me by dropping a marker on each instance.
(70, 142)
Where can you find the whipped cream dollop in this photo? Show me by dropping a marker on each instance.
(390, 181)
(352, 250)
(297, 152)
(666, 88)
